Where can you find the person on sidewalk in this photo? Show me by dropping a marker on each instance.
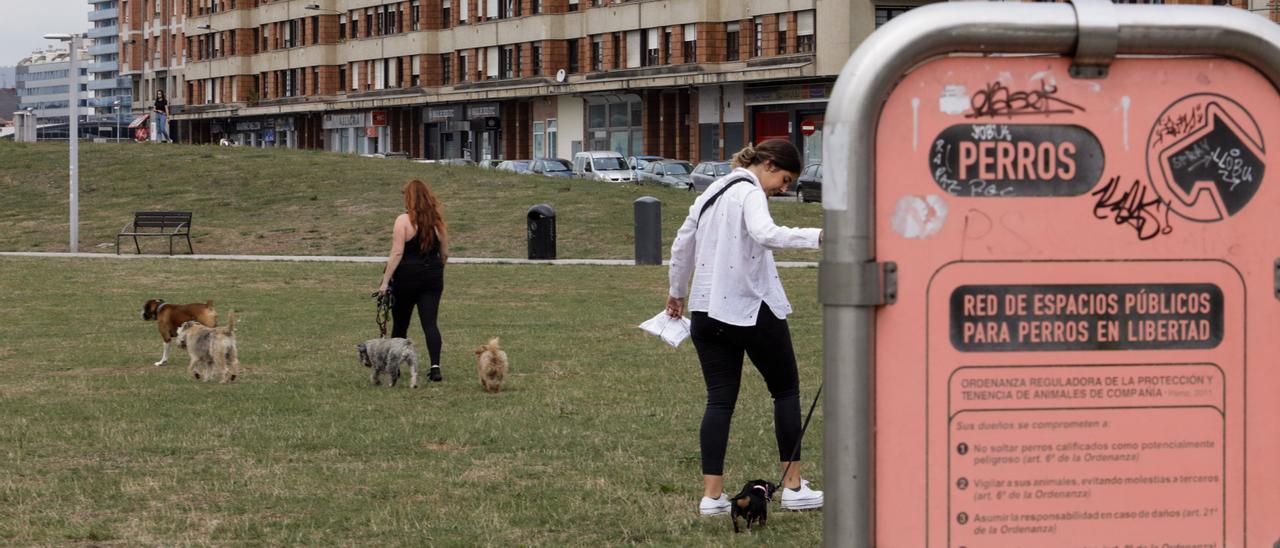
(738, 306)
(415, 268)
(160, 115)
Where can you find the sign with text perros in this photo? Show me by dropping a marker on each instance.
(1085, 280)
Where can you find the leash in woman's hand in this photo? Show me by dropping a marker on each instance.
(385, 302)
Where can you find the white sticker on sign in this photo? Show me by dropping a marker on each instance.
(919, 218)
(835, 171)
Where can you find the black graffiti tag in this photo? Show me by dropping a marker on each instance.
(998, 100)
(1148, 217)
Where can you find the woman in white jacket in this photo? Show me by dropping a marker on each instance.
(738, 307)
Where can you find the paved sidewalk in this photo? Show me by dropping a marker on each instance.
(352, 259)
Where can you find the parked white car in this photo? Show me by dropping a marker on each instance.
(602, 165)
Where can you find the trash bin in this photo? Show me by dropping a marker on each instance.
(541, 227)
(648, 213)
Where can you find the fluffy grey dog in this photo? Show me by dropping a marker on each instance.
(385, 356)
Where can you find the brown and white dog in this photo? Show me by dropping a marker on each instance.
(169, 317)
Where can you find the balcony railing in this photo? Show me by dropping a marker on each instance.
(105, 66)
(103, 32)
(103, 49)
(113, 83)
(99, 15)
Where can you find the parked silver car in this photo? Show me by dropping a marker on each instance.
(707, 172)
(672, 173)
(552, 167)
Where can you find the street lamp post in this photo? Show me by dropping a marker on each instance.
(73, 136)
(117, 105)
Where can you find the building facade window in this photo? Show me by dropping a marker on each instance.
(782, 34)
(507, 63)
(691, 43)
(536, 57)
(572, 61)
(732, 30)
(597, 53)
(539, 143)
(651, 48)
(315, 30)
(804, 34)
(616, 127)
(446, 13)
(759, 36)
(414, 10)
(885, 13)
(617, 49)
(446, 69)
(573, 5)
(551, 138)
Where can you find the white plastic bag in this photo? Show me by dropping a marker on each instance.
(671, 330)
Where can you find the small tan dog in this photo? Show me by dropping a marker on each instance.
(209, 347)
(491, 366)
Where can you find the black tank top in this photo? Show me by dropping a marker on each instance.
(414, 256)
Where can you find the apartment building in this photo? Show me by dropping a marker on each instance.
(486, 79)
(44, 86)
(112, 97)
(152, 53)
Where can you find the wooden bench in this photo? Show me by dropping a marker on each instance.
(167, 224)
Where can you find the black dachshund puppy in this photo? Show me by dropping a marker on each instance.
(752, 503)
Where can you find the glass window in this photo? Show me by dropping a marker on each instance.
(596, 116)
(676, 168)
(618, 116)
(731, 42)
(551, 139)
(637, 141)
(637, 119)
(885, 13)
(538, 140)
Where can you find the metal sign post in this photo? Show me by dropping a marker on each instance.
(1048, 277)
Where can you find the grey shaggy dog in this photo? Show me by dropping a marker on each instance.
(385, 356)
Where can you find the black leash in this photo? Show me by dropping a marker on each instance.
(802, 430)
(383, 315)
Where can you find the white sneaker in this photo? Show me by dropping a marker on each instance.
(714, 507)
(803, 498)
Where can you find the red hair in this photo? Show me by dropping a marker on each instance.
(424, 210)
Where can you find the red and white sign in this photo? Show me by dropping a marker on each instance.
(1085, 282)
(379, 117)
(807, 128)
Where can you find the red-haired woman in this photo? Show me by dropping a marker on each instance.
(419, 250)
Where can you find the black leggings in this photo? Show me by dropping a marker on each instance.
(419, 286)
(720, 348)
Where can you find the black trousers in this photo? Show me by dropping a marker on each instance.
(418, 286)
(720, 348)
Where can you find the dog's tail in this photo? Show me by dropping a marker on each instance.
(231, 322)
(493, 345)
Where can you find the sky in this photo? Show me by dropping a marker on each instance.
(23, 23)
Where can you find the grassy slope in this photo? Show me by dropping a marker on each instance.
(267, 201)
(594, 442)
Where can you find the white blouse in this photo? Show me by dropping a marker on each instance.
(729, 253)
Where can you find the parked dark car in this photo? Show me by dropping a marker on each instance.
(552, 167)
(672, 173)
(518, 166)
(706, 173)
(809, 185)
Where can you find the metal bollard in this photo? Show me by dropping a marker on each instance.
(648, 213)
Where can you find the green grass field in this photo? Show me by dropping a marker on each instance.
(290, 202)
(593, 442)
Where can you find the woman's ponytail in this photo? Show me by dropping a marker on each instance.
(745, 157)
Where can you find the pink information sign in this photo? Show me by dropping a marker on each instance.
(1084, 347)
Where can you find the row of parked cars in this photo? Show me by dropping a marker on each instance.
(608, 166)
